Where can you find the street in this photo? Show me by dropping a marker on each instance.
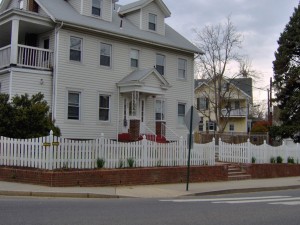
(277, 207)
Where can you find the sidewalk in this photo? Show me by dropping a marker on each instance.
(151, 191)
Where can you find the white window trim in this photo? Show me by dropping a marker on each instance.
(111, 55)
(81, 52)
(80, 105)
(110, 107)
(177, 116)
(155, 23)
(138, 59)
(185, 69)
(165, 61)
(101, 9)
(164, 109)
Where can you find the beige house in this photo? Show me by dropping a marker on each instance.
(103, 67)
(232, 105)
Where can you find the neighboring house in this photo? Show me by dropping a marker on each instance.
(103, 68)
(236, 99)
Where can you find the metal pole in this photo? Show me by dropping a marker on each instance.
(190, 146)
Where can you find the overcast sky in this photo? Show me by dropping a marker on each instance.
(260, 22)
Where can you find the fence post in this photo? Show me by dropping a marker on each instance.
(220, 150)
(181, 151)
(101, 148)
(249, 150)
(144, 152)
(213, 153)
(51, 150)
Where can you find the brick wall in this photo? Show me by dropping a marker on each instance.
(113, 177)
(272, 170)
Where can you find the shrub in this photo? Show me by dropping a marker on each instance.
(279, 159)
(100, 163)
(121, 164)
(272, 160)
(291, 160)
(130, 162)
(253, 160)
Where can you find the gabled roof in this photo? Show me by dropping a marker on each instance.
(142, 3)
(243, 84)
(61, 11)
(138, 76)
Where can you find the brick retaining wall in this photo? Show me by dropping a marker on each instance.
(272, 170)
(113, 177)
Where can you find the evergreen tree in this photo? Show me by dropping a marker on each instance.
(25, 117)
(287, 75)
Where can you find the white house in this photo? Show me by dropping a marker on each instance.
(103, 67)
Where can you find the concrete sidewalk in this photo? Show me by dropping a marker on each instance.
(151, 191)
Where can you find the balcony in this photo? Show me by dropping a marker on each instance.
(241, 112)
(29, 57)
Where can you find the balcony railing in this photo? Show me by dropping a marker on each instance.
(5, 56)
(31, 57)
(242, 112)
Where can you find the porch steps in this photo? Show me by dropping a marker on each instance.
(235, 172)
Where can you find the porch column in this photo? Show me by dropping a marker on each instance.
(14, 42)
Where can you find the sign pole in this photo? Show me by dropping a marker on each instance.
(190, 146)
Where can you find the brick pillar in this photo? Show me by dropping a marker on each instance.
(134, 129)
(160, 130)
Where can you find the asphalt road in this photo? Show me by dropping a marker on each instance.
(276, 208)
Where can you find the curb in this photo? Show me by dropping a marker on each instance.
(57, 194)
(245, 190)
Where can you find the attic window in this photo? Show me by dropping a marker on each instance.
(152, 22)
(96, 7)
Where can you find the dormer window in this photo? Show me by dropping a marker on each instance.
(96, 7)
(152, 22)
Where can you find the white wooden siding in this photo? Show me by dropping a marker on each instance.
(89, 77)
(106, 10)
(4, 80)
(29, 82)
(135, 18)
(14, 4)
(154, 9)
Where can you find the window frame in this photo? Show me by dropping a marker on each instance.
(110, 55)
(158, 67)
(104, 108)
(201, 101)
(231, 127)
(80, 50)
(132, 58)
(184, 77)
(79, 105)
(162, 110)
(99, 9)
(180, 117)
(152, 25)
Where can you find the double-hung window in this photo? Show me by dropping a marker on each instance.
(96, 7)
(181, 113)
(159, 110)
(202, 103)
(105, 55)
(231, 127)
(160, 63)
(134, 58)
(104, 107)
(73, 105)
(75, 49)
(181, 68)
(152, 22)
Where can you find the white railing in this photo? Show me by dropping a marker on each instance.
(169, 133)
(34, 57)
(235, 112)
(56, 152)
(5, 56)
(246, 152)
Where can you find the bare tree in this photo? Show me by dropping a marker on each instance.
(221, 46)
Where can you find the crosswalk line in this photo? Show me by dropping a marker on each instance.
(286, 203)
(257, 200)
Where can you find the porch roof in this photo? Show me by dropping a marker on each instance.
(137, 81)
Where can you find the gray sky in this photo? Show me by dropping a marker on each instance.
(260, 22)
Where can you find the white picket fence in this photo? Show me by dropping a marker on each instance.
(245, 152)
(53, 152)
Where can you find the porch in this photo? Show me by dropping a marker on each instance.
(27, 56)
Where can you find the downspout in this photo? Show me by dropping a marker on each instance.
(55, 73)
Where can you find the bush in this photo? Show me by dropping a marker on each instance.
(253, 160)
(130, 162)
(272, 160)
(291, 160)
(279, 159)
(100, 163)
